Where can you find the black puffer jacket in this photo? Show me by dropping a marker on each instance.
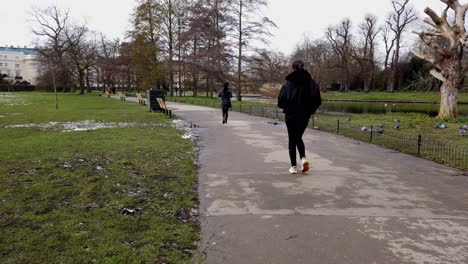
(300, 94)
(225, 95)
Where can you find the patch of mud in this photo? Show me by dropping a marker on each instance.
(187, 128)
(79, 126)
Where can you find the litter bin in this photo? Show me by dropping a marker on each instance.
(152, 96)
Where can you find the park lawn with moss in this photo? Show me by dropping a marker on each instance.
(125, 194)
(383, 96)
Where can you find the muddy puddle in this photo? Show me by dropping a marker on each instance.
(187, 128)
(86, 125)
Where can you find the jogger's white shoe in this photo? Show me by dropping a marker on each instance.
(293, 170)
(305, 165)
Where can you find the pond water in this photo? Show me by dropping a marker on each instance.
(380, 108)
(376, 107)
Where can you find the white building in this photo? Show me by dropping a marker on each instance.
(19, 64)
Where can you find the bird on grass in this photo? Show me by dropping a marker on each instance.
(464, 131)
(441, 126)
(396, 123)
(347, 120)
(382, 126)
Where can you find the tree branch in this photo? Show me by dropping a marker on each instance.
(438, 75)
(427, 57)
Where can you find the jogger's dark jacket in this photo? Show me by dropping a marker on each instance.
(300, 94)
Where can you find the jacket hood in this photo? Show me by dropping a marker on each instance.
(301, 76)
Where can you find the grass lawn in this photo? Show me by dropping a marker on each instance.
(412, 125)
(123, 194)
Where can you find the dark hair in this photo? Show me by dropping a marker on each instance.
(298, 65)
(226, 85)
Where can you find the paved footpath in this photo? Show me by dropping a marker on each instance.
(360, 203)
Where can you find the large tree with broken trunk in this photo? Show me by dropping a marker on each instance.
(447, 40)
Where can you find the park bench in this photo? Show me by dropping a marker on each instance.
(122, 96)
(141, 99)
(108, 94)
(164, 108)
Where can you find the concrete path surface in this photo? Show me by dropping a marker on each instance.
(360, 203)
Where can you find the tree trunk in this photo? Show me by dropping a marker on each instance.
(390, 75)
(195, 85)
(171, 51)
(239, 66)
(81, 80)
(88, 82)
(450, 88)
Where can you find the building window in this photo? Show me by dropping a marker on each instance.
(18, 74)
(6, 64)
(1, 64)
(17, 65)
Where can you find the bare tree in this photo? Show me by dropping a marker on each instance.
(208, 58)
(146, 52)
(340, 39)
(319, 59)
(168, 13)
(389, 40)
(248, 24)
(77, 52)
(49, 24)
(447, 38)
(268, 66)
(107, 51)
(402, 16)
(369, 32)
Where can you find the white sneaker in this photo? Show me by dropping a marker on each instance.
(305, 165)
(293, 170)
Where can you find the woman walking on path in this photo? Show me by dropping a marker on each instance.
(299, 98)
(225, 94)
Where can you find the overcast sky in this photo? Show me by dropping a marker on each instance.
(294, 18)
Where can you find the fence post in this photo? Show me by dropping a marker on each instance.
(371, 134)
(419, 144)
(262, 111)
(240, 107)
(277, 114)
(338, 126)
(250, 109)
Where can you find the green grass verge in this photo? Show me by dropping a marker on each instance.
(63, 194)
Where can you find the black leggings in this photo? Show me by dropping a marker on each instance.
(225, 114)
(296, 127)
